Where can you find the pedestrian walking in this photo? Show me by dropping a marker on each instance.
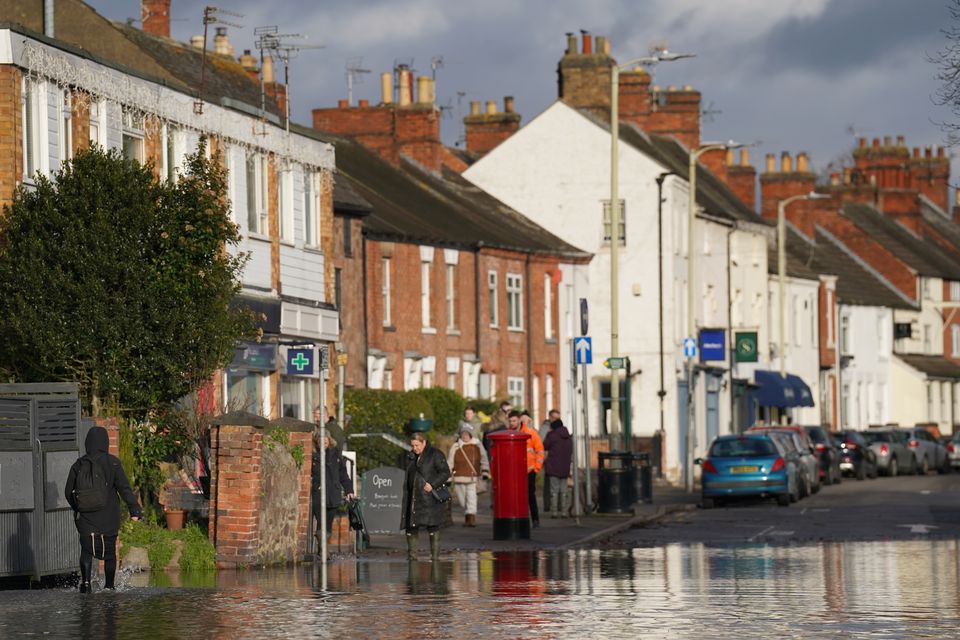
(534, 462)
(470, 417)
(337, 483)
(499, 418)
(93, 484)
(469, 464)
(424, 484)
(552, 415)
(559, 451)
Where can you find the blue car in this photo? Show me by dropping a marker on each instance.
(747, 465)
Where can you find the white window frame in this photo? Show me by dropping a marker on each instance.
(955, 291)
(515, 390)
(97, 114)
(846, 335)
(549, 394)
(426, 267)
(65, 121)
(305, 404)
(493, 303)
(535, 399)
(311, 208)
(955, 341)
(263, 383)
(133, 130)
(451, 297)
(514, 302)
(607, 221)
(385, 291)
(255, 171)
(171, 156)
(36, 158)
(547, 306)
(286, 208)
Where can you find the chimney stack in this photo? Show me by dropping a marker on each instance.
(583, 77)
(221, 43)
(486, 130)
(249, 64)
(791, 180)
(742, 179)
(155, 17)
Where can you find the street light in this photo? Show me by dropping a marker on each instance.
(659, 55)
(694, 154)
(782, 267)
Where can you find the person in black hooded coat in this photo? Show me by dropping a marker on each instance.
(427, 469)
(98, 529)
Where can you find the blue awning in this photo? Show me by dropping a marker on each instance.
(777, 391)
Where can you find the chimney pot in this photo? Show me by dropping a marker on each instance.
(474, 107)
(863, 143)
(771, 163)
(786, 162)
(900, 141)
(601, 42)
(587, 43)
(916, 152)
(386, 88)
(424, 90)
(940, 152)
(343, 104)
(247, 61)
(730, 157)
(267, 70)
(876, 143)
(744, 157)
(803, 165)
(834, 178)
(886, 141)
(221, 43)
(927, 152)
(847, 175)
(571, 45)
(363, 104)
(672, 87)
(491, 107)
(606, 46)
(508, 104)
(688, 87)
(405, 88)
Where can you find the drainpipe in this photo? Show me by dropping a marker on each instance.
(48, 18)
(662, 393)
(733, 402)
(476, 300)
(529, 389)
(366, 315)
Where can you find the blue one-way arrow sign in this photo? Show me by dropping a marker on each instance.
(689, 348)
(583, 346)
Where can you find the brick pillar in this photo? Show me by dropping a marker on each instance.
(112, 425)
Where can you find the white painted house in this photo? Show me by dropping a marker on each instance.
(556, 171)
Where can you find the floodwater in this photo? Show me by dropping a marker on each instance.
(876, 590)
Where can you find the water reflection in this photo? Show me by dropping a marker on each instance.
(883, 589)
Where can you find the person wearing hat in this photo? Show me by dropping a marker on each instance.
(468, 464)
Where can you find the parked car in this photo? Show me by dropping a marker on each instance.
(752, 464)
(828, 452)
(800, 444)
(890, 447)
(929, 453)
(856, 457)
(953, 450)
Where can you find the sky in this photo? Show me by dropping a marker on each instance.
(788, 75)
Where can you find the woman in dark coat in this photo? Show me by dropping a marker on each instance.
(98, 529)
(338, 480)
(427, 469)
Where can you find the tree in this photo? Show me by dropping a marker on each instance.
(120, 281)
(948, 61)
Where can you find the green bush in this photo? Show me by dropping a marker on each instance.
(197, 552)
(487, 407)
(447, 406)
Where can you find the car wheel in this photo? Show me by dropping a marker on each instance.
(945, 467)
(892, 470)
(784, 499)
(707, 503)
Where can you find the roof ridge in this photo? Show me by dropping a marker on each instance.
(864, 265)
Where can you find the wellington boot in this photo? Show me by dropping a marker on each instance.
(86, 568)
(471, 520)
(413, 541)
(435, 546)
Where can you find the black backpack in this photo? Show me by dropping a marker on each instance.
(91, 489)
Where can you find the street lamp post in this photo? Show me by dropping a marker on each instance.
(691, 290)
(657, 56)
(782, 273)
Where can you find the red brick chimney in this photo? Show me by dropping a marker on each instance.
(742, 179)
(634, 97)
(484, 131)
(409, 128)
(776, 186)
(155, 17)
(931, 175)
(676, 112)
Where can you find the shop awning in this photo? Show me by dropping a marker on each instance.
(777, 391)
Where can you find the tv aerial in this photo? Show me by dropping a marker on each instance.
(354, 73)
(211, 15)
(270, 42)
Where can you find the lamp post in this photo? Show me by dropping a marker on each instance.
(782, 273)
(660, 55)
(694, 154)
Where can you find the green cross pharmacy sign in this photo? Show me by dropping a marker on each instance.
(300, 362)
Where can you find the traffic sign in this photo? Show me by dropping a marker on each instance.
(615, 363)
(583, 347)
(584, 316)
(341, 359)
(689, 348)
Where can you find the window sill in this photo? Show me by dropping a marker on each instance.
(389, 328)
(312, 249)
(288, 243)
(515, 329)
(430, 331)
(495, 327)
(256, 236)
(550, 341)
(453, 332)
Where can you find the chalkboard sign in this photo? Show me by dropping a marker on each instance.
(383, 499)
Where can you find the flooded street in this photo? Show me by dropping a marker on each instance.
(872, 589)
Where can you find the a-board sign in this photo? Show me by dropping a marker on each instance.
(383, 499)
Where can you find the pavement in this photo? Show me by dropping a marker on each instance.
(560, 533)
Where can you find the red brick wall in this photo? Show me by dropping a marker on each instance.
(677, 113)
(11, 142)
(778, 186)
(352, 319)
(484, 132)
(633, 102)
(827, 311)
(742, 180)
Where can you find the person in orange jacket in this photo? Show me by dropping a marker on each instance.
(534, 461)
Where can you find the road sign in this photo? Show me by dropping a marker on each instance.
(713, 344)
(341, 359)
(584, 316)
(615, 363)
(583, 346)
(300, 362)
(689, 348)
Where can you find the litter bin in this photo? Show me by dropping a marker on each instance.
(643, 477)
(616, 490)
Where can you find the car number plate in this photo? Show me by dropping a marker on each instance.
(745, 469)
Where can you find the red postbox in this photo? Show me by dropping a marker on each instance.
(511, 507)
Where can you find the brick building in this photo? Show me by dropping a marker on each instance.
(99, 82)
(458, 290)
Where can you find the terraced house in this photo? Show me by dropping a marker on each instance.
(84, 80)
